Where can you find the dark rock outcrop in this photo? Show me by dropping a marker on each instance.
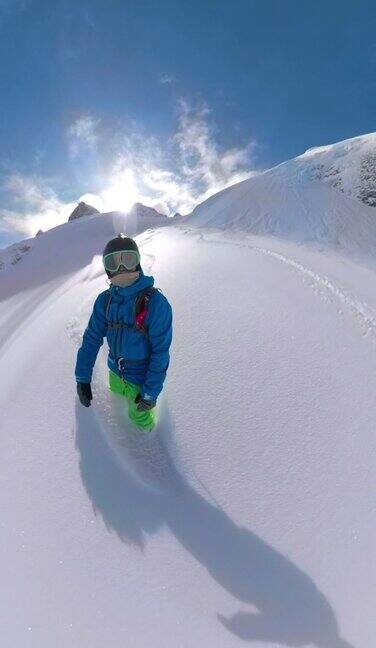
(81, 210)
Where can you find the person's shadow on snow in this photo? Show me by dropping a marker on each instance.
(291, 609)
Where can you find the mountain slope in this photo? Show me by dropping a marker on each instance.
(349, 166)
(293, 202)
(61, 251)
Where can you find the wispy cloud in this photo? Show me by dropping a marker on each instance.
(35, 205)
(82, 135)
(178, 175)
(167, 79)
(171, 176)
(205, 167)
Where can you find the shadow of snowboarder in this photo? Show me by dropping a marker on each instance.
(291, 609)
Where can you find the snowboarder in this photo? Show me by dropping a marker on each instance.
(136, 318)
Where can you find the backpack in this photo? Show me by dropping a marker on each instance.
(140, 311)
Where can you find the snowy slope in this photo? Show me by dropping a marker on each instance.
(248, 518)
(349, 166)
(83, 237)
(293, 202)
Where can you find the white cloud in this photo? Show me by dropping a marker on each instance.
(93, 200)
(83, 135)
(170, 176)
(208, 169)
(178, 176)
(36, 205)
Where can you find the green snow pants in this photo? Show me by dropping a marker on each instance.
(117, 385)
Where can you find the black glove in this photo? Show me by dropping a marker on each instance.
(144, 405)
(84, 393)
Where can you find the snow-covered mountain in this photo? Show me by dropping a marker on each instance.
(140, 217)
(299, 200)
(138, 211)
(15, 253)
(143, 211)
(294, 200)
(247, 517)
(349, 166)
(85, 234)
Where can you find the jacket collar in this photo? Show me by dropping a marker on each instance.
(128, 291)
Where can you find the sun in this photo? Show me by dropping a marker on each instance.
(122, 192)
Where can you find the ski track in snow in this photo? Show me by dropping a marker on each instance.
(359, 311)
(151, 458)
(143, 455)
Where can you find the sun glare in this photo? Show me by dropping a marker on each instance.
(122, 192)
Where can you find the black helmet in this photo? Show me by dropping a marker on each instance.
(118, 244)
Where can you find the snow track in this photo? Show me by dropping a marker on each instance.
(147, 456)
(362, 314)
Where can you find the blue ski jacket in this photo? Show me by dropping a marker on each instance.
(145, 357)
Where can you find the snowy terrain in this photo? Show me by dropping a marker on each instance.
(293, 201)
(348, 166)
(248, 518)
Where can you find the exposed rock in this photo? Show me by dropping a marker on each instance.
(142, 210)
(17, 257)
(24, 247)
(348, 166)
(367, 190)
(82, 209)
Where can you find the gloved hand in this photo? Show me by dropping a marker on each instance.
(84, 393)
(144, 405)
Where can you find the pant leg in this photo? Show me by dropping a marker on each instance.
(130, 391)
(144, 419)
(116, 383)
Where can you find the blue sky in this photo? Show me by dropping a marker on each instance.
(169, 101)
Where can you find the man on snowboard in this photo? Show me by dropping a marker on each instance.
(137, 321)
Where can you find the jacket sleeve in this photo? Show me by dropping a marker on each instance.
(92, 341)
(160, 337)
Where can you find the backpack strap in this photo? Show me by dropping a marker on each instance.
(108, 302)
(110, 323)
(140, 308)
(140, 311)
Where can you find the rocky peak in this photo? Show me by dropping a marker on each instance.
(143, 210)
(82, 209)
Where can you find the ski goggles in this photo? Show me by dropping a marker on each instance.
(127, 258)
